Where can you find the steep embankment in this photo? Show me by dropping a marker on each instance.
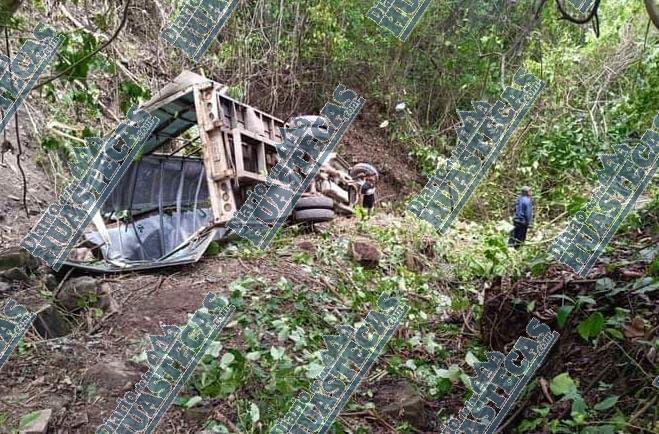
(367, 142)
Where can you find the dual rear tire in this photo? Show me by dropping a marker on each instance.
(314, 209)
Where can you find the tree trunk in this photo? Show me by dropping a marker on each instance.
(653, 11)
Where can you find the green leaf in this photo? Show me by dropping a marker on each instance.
(592, 326)
(578, 410)
(139, 358)
(253, 356)
(583, 299)
(615, 333)
(277, 353)
(226, 360)
(314, 369)
(606, 403)
(645, 284)
(604, 284)
(529, 425)
(542, 411)
(254, 413)
(213, 249)
(466, 380)
(562, 314)
(214, 349)
(562, 384)
(452, 373)
(192, 402)
(29, 418)
(470, 359)
(216, 427)
(410, 364)
(530, 307)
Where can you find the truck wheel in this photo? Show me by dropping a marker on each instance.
(363, 169)
(314, 215)
(312, 202)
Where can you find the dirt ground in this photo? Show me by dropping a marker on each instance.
(63, 373)
(14, 223)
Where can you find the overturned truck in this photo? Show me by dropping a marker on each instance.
(196, 169)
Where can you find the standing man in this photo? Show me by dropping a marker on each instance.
(522, 219)
(368, 194)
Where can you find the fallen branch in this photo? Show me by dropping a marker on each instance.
(18, 136)
(68, 136)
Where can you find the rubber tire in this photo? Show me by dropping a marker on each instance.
(314, 215)
(315, 202)
(362, 169)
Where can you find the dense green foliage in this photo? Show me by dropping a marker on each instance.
(286, 58)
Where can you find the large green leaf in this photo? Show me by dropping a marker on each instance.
(606, 403)
(563, 384)
(562, 314)
(29, 418)
(592, 326)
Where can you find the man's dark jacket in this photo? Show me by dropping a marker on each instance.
(524, 210)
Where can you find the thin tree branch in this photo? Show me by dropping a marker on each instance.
(18, 137)
(124, 18)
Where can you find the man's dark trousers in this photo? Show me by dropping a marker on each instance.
(518, 235)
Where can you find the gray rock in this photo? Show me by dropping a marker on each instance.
(15, 274)
(15, 257)
(51, 323)
(413, 262)
(112, 376)
(78, 293)
(306, 246)
(106, 301)
(365, 252)
(38, 425)
(50, 281)
(400, 401)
